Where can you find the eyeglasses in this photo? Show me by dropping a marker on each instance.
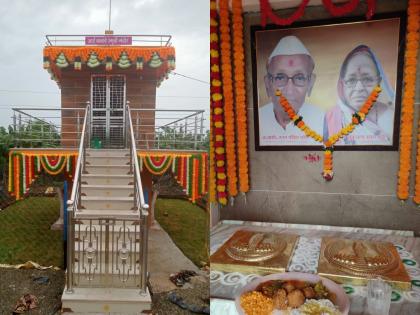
(282, 79)
(366, 81)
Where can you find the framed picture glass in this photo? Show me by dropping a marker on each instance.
(327, 70)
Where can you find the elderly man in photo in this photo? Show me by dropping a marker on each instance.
(289, 69)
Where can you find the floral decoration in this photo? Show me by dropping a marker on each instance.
(334, 10)
(230, 144)
(407, 108)
(217, 127)
(358, 118)
(240, 95)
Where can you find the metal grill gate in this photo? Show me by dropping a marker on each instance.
(108, 115)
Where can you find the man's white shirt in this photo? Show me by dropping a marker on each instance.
(271, 133)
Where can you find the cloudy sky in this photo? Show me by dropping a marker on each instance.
(24, 24)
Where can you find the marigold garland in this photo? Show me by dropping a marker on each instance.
(225, 48)
(217, 126)
(407, 108)
(416, 198)
(240, 95)
(268, 13)
(358, 118)
(189, 170)
(24, 168)
(157, 164)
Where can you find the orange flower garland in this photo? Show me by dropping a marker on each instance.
(416, 198)
(358, 118)
(240, 95)
(217, 125)
(225, 48)
(407, 109)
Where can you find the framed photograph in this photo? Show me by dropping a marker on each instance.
(327, 70)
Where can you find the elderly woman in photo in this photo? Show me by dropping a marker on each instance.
(360, 72)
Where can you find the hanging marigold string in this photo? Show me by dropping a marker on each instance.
(335, 10)
(416, 198)
(407, 108)
(157, 165)
(240, 95)
(212, 173)
(358, 118)
(267, 12)
(225, 48)
(218, 132)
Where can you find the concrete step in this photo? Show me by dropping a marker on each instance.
(107, 160)
(108, 203)
(107, 179)
(107, 152)
(107, 214)
(108, 169)
(108, 190)
(114, 301)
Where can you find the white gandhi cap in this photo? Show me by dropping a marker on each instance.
(289, 45)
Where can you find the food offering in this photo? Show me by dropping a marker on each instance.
(292, 294)
(356, 261)
(254, 252)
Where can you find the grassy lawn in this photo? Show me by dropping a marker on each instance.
(25, 232)
(187, 225)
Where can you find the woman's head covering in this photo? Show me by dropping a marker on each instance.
(386, 88)
(340, 114)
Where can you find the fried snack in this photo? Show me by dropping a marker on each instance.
(256, 303)
(288, 286)
(269, 288)
(280, 299)
(309, 292)
(295, 298)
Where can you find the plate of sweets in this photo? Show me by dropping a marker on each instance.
(292, 293)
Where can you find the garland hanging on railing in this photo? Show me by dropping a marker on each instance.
(407, 109)
(240, 95)
(25, 167)
(189, 169)
(230, 144)
(157, 165)
(217, 128)
(53, 165)
(335, 10)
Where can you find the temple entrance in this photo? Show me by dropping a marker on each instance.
(108, 115)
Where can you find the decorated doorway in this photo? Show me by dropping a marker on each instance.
(108, 116)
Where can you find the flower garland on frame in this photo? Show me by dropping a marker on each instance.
(240, 95)
(268, 13)
(225, 48)
(407, 108)
(217, 108)
(358, 118)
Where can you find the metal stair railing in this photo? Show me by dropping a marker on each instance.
(73, 205)
(139, 204)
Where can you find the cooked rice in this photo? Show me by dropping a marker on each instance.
(256, 303)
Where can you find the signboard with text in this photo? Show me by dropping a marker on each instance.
(108, 40)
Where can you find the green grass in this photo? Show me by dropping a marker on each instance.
(25, 232)
(187, 225)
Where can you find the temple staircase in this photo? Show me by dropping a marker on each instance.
(107, 233)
